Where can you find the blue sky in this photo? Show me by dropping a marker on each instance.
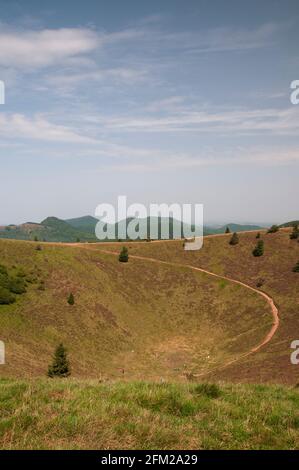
(172, 101)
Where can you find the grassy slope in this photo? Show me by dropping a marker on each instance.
(59, 414)
(151, 320)
(272, 363)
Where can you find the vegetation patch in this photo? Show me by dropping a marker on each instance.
(210, 390)
(12, 283)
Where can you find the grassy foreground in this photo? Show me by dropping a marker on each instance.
(73, 414)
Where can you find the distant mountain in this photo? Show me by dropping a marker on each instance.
(59, 230)
(26, 231)
(51, 229)
(85, 224)
(88, 224)
(83, 228)
(290, 224)
(234, 228)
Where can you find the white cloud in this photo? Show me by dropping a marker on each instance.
(34, 49)
(18, 126)
(281, 121)
(118, 157)
(37, 128)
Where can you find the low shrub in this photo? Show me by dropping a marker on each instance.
(273, 229)
(207, 389)
(11, 284)
(6, 297)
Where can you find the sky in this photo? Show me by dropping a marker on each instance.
(173, 101)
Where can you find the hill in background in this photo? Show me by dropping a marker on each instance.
(82, 229)
(51, 229)
(290, 224)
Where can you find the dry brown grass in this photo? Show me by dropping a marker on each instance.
(153, 321)
(272, 363)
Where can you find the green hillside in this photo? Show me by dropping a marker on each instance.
(290, 224)
(72, 414)
(85, 224)
(60, 231)
(50, 229)
(232, 227)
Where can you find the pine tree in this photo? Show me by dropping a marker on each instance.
(60, 365)
(296, 268)
(124, 255)
(234, 239)
(258, 235)
(71, 299)
(259, 249)
(295, 233)
(227, 230)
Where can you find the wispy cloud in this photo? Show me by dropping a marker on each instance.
(69, 80)
(38, 129)
(18, 126)
(226, 39)
(283, 121)
(166, 104)
(235, 157)
(41, 48)
(34, 48)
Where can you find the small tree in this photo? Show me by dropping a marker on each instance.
(273, 229)
(36, 238)
(71, 299)
(295, 233)
(296, 268)
(60, 365)
(234, 239)
(124, 255)
(227, 230)
(258, 235)
(259, 249)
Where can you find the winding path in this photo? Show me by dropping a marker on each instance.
(269, 299)
(274, 309)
